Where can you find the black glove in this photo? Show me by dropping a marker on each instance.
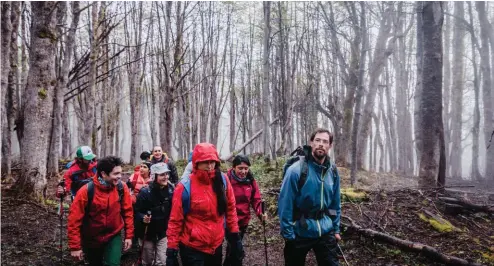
(171, 257)
(235, 242)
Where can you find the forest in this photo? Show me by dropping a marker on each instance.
(406, 88)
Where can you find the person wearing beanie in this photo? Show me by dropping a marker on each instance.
(203, 204)
(156, 199)
(247, 194)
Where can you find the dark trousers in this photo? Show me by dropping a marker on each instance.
(324, 247)
(194, 257)
(108, 254)
(229, 259)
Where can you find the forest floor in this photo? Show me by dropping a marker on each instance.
(30, 231)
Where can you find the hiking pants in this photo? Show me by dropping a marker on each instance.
(194, 257)
(108, 254)
(325, 248)
(151, 248)
(229, 259)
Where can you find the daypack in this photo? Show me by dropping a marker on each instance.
(78, 182)
(186, 193)
(90, 195)
(300, 154)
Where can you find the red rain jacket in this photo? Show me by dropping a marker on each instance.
(246, 195)
(107, 216)
(202, 228)
(91, 170)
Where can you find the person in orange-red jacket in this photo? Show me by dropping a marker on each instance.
(94, 227)
(80, 172)
(140, 179)
(199, 233)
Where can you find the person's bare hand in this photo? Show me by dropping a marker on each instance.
(60, 191)
(127, 244)
(264, 217)
(337, 236)
(147, 219)
(77, 254)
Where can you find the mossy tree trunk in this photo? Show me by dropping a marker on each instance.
(38, 105)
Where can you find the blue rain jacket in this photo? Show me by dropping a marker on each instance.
(320, 191)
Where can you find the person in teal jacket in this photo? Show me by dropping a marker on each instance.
(310, 216)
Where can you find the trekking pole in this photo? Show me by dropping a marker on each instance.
(62, 197)
(263, 209)
(139, 261)
(343, 255)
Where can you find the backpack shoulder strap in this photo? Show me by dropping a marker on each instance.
(90, 196)
(224, 181)
(186, 194)
(120, 189)
(304, 170)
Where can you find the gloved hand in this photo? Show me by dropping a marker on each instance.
(235, 242)
(171, 257)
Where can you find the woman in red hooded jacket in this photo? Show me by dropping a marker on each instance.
(199, 233)
(247, 194)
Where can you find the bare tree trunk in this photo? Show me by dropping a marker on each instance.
(6, 37)
(360, 92)
(418, 85)
(485, 69)
(393, 162)
(447, 91)
(376, 67)
(476, 112)
(457, 91)
(432, 163)
(66, 44)
(10, 102)
(89, 130)
(37, 108)
(265, 82)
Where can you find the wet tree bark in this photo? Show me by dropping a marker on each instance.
(432, 163)
(457, 91)
(37, 108)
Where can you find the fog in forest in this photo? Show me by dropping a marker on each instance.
(252, 77)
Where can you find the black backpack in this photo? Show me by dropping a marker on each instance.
(300, 154)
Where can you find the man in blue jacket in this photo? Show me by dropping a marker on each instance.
(310, 210)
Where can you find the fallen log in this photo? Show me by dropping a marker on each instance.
(423, 249)
(467, 206)
(258, 133)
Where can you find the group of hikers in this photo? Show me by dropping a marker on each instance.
(192, 216)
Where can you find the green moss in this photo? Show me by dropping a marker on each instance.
(488, 257)
(47, 34)
(42, 93)
(353, 195)
(442, 226)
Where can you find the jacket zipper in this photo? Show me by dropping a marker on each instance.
(322, 189)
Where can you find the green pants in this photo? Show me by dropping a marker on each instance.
(108, 254)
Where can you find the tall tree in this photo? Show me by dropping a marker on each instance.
(6, 40)
(9, 100)
(475, 173)
(265, 78)
(39, 94)
(487, 91)
(360, 93)
(457, 90)
(432, 160)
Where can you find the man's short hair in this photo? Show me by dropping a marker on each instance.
(321, 130)
(107, 164)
